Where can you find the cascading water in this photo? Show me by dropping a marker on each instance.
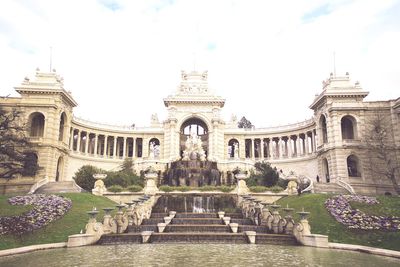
(194, 203)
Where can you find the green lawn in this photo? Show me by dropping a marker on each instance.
(323, 223)
(58, 231)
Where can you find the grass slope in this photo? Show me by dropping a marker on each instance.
(58, 231)
(323, 223)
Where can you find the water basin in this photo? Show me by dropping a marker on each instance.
(196, 255)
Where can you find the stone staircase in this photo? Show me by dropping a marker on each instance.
(59, 187)
(197, 228)
(329, 188)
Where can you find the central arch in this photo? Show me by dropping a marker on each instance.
(192, 126)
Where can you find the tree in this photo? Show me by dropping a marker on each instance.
(264, 175)
(245, 123)
(16, 154)
(382, 150)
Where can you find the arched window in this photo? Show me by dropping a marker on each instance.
(154, 148)
(348, 126)
(324, 131)
(353, 166)
(62, 126)
(233, 148)
(36, 124)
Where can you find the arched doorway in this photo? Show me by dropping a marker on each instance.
(193, 127)
(60, 167)
(325, 168)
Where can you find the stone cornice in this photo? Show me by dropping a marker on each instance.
(324, 95)
(47, 91)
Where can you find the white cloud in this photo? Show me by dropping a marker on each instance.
(267, 58)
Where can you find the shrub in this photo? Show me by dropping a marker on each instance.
(122, 178)
(261, 189)
(167, 188)
(115, 188)
(84, 177)
(134, 188)
(282, 183)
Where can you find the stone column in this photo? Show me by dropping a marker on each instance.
(78, 142)
(115, 147)
(307, 150)
(313, 147)
(105, 154)
(289, 145)
(298, 145)
(262, 148)
(71, 140)
(253, 154)
(271, 156)
(133, 147)
(87, 142)
(96, 137)
(124, 148)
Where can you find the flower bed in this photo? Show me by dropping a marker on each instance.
(339, 207)
(46, 208)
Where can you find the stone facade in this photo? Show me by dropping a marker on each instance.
(331, 144)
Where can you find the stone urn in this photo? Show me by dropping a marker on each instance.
(99, 187)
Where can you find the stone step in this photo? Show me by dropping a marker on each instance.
(191, 237)
(204, 237)
(198, 228)
(114, 239)
(275, 239)
(256, 228)
(158, 215)
(59, 187)
(329, 188)
(236, 215)
(141, 228)
(153, 221)
(203, 221)
(242, 221)
(196, 215)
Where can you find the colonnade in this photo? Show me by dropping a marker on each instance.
(104, 145)
(289, 146)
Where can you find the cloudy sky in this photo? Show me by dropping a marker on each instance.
(267, 58)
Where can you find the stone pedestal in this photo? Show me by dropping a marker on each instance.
(251, 236)
(150, 187)
(241, 188)
(99, 187)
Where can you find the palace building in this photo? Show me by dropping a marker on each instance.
(332, 145)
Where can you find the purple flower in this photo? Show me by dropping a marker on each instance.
(46, 208)
(339, 207)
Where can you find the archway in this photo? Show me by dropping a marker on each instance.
(36, 124)
(193, 127)
(324, 131)
(60, 167)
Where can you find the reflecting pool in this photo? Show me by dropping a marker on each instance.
(196, 255)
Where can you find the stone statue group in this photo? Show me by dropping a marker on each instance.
(194, 148)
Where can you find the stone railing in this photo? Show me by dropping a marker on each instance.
(261, 214)
(111, 127)
(343, 184)
(38, 184)
(310, 187)
(135, 212)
